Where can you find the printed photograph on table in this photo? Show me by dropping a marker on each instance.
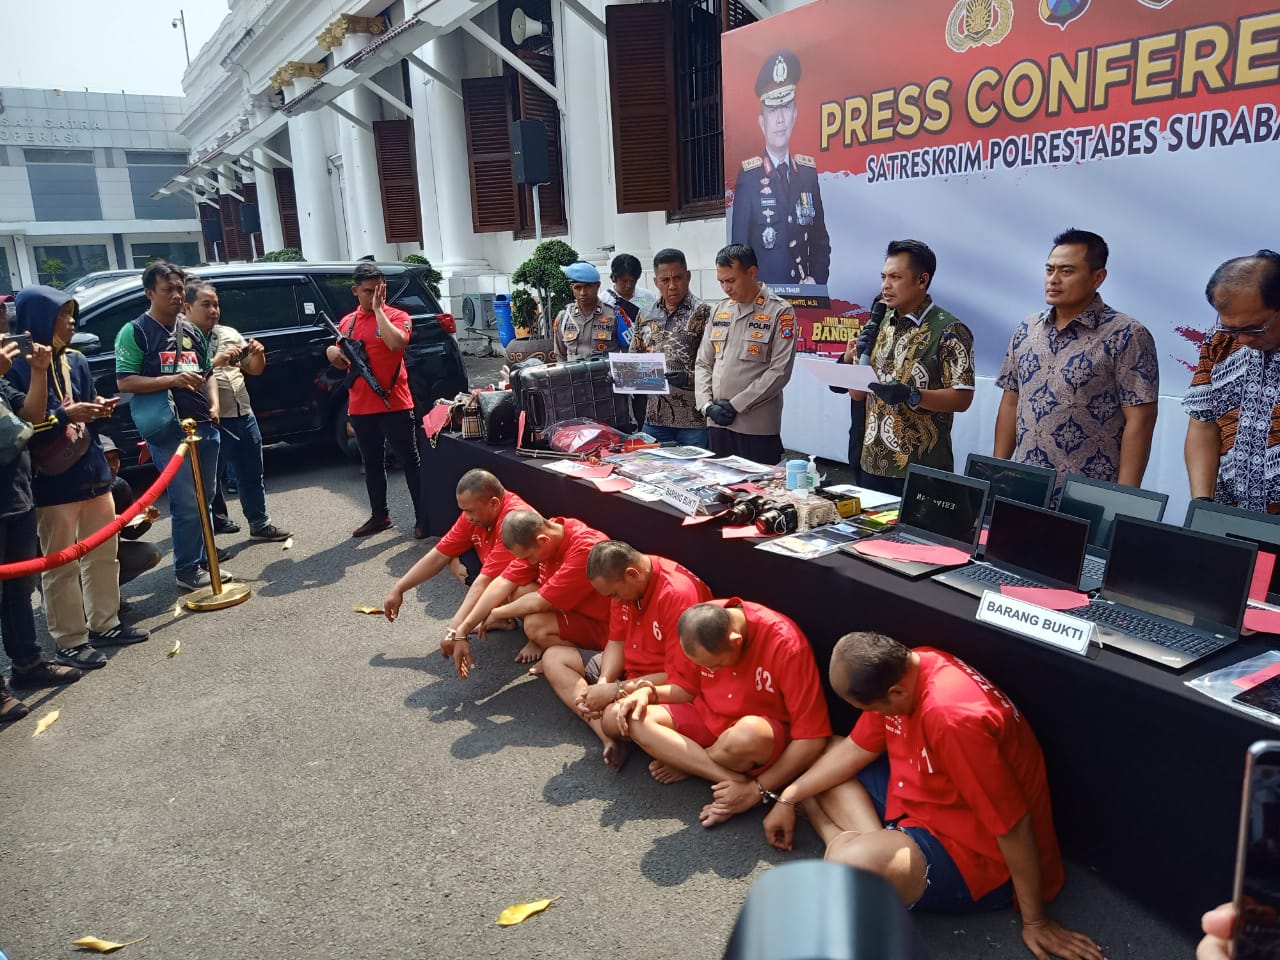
(642, 373)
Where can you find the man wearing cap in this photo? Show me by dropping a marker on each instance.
(777, 206)
(585, 328)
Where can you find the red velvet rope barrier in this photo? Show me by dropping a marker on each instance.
(77, 550)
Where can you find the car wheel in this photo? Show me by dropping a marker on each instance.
(343, 434)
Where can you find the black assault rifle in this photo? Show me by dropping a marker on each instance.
(358, 358)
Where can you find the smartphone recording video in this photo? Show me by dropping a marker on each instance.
(1257, 886)
(23, 340)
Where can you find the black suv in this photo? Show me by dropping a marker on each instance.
(299, 394)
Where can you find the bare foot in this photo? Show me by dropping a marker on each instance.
(664, 773)
(616, 753)
(529, 653)
(536, 670)
(713, 813)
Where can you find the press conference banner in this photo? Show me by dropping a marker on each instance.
(985, 127)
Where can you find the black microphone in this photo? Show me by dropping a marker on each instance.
(878, 310)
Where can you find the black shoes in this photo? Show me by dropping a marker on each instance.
(46, 674)
(269, 531)
(119, 636)
(372, 525)
(226, 526)
(83, 657)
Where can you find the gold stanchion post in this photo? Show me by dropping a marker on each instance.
(216, 596)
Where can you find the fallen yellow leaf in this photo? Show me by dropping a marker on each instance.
(177, 648)
(45, 722)
(364, 609)
(288, 544)
(102, 946)
(177, 609)
(522, 912)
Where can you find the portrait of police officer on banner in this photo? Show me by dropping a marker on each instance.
(777, 206)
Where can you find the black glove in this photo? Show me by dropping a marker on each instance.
(721, 413)
(681, 379)
(895, 394)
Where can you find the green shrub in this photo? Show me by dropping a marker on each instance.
(286, 255)
(431, 276)
(543, 274)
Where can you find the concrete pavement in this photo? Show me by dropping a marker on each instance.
(302, 781)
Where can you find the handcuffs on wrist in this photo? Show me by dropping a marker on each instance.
(768, 796)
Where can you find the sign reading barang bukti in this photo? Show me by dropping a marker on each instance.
(985, 127)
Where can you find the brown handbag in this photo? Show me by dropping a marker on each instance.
(60, 452)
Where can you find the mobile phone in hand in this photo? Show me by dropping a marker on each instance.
(1257, 890)
(23, 340)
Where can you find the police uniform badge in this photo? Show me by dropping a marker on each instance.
(569, 328)
(602, 334)
(787, 327)
(806, 209)
(753, 349)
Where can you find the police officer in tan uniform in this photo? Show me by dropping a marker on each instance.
(585, 328)
(744, 361)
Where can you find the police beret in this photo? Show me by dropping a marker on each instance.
(776, 83)
(581, 272)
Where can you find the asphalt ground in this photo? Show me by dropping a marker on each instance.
(303, 781)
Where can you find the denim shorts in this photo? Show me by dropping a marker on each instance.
(946, 891)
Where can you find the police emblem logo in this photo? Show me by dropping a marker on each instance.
(780, 70)
(753, 349)
(602, 334)
(601, 347)
(787, 327)
(1059, 13)
(975, 23)
(757, 335)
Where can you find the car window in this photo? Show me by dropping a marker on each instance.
(252, 307)
(337, 289)
(106, 323)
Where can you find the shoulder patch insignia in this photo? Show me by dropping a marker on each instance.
(753, 163)
(760, 300)
(787, 326)
(805, 161)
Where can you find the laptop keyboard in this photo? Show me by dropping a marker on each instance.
(1094, 568)
(1160, 632)
(996, 578)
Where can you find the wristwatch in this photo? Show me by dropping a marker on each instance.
(913, 400)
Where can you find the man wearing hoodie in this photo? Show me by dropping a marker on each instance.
(72, 496)
(18, 543)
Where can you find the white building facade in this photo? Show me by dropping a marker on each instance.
(78, 171)
(386, 130)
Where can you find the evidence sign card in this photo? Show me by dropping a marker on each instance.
(1038, 623)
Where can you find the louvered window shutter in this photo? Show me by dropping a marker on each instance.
(398, 178)
(486, 104)
(642, 96)
(287, 202)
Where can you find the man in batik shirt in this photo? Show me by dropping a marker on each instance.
(923, 358)
(1081, 380)
(1233, 438)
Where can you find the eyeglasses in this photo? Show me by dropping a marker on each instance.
(1245, 331)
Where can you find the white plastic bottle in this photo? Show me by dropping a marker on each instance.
(812, 480)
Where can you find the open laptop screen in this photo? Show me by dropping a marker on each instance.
(1032, 538)
(1100, 503)
(1013, 481)
(1188, 577)
(1223, 521)
(943, 503)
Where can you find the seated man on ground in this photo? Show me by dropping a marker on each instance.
(546, 587)
(940, 788)
(647, 596)
(484, 503)
(136, 556)
(745, 709)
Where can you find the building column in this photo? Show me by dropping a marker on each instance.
(366, 226)
(461, 250)
(268, 204)
(582, 81)
(428, 208)
(307, 149)
(27, 274)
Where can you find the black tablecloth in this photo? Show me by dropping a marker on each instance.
(1145, 772)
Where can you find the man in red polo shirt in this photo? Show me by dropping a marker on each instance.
(745, 709)
(647, 595)
(385, 332)
(546, 587)
(957, 816)
(484, 503)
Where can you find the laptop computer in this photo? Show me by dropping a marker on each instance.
(1026, 547)
(937, 508)
(1012, 481)
(1171, 595)
(1100, 503)
(1263, 529)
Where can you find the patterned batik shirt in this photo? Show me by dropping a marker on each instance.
(1073, 385)
(1239, 388)
(676, 334)
(930, 350)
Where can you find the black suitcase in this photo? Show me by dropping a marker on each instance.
(551, 393)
